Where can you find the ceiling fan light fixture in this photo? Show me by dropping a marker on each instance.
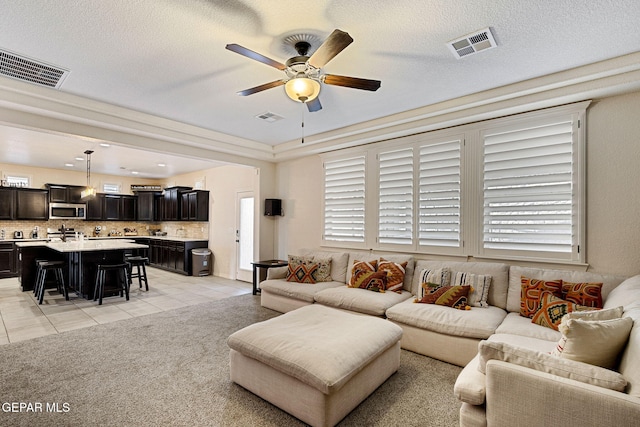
(302, 89)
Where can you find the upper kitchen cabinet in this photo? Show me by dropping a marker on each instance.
(147, 206)
(65, 193)
(119, 207)
(32, 204)
(171, 203)
(95, 208)
(7, 203)
(195, 205)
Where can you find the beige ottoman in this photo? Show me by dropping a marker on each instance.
(316, 363)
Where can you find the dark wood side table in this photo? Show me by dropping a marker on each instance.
(267, 264)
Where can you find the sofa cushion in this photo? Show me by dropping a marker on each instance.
(543, 362)
(464, 323)
(624, 294)
(430, 279)
(531, 291)
(360, 300)
(597, 342)
(480, 285)
(588, 294)
(499, 273)
(299, 291)
(552, 309)
(630, 359)
(604, 314)
(516, 272)
(515, 324)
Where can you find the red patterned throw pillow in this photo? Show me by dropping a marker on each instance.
(552, 309)
(532, 290)
(589, 294)
(450, 296)
(395, 274)
(358, 268)
(371, 280)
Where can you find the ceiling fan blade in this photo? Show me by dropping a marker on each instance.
(314, 105)
(353, 82)
(333, 45)
(255, 56)
(260, 88)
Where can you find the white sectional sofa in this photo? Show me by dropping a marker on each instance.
(513, 380)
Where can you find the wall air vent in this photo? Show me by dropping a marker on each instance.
(472, 43)
(28, 70)
(269, 117)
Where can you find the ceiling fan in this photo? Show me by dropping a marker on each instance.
(304, 73)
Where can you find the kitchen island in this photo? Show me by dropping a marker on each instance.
(81, 259)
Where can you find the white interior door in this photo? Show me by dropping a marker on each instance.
(244, 236)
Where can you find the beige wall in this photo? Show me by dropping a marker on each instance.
(613, 175)
(224, 183)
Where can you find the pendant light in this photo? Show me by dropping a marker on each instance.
(89, 192)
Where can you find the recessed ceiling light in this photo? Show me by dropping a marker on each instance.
(161, 165)
(105, 145)
(69, 165)
(80, 159)
(135, 172)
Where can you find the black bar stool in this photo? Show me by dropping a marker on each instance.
(141, 275)
(41, 278)
(122, 278)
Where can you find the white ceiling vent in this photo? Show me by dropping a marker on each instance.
(472, 43)
(25, 69)
(269, 117)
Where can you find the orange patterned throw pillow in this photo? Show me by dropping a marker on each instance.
(532, 290)
(552, 309)
(395, 274)
(358, 268)
(371, 280)
(450, 296)
(301, 270)
(589, 294)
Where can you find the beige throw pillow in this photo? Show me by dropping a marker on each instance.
(597, 342)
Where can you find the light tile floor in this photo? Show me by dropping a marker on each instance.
(22, 318)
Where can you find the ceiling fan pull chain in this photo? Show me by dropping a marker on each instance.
(303, 107)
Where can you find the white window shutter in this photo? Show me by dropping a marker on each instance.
(528, 189)
(344, 200)
(439, 200)
(395, 202)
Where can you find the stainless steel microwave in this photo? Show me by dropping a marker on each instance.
(67, 211)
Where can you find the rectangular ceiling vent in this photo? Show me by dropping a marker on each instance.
(269, 117)
(22, 68)
(472, 43)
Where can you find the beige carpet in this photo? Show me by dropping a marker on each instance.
(171, 369)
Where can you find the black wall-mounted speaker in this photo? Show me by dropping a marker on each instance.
(272, 207)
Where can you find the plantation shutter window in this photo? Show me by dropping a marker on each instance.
(395, 202)
(529, 198)
(344, 200)
(439, 199)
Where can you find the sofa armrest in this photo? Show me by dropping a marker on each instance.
(517, 395)
(277, 273)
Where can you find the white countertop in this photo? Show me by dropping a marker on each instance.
(87, 245)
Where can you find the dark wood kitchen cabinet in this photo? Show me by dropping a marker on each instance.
(195, 205)
(8, 260)
(112, 207)
(147, 206)
(65, 193)
(7, 203)
(32, 204)
(127, 208)
(173, 255)
(172, 203)
(95, 208)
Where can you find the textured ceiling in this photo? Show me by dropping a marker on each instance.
(168, 58)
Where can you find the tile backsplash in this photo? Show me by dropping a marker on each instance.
(195, 230)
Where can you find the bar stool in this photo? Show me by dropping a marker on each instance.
(122, 277)
(41, 278)
(141, 275)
